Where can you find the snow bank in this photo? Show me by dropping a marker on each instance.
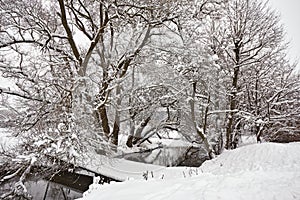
(120, 169)
(265, 156)
(255, 172)
(123, 170)
(7, 141)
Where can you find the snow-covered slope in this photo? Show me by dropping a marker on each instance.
(254, 172)
(256, 157)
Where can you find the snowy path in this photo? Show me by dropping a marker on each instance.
(255, 172)
(122, 170)
(118, 169)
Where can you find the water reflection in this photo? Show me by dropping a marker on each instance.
(46, 190)
(63, 186)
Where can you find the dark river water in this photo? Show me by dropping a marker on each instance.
(64, 186)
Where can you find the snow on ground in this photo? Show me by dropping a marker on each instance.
(256, 157)
(7, 141)
(123, 170)
(118, 169)
(265, 171)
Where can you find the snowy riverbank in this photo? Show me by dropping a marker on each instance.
(254, 172)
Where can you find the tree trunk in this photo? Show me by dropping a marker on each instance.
(116, 128)
(135, 137)
(201, 133)
(139, 130)
(233, 98)
(104, 120)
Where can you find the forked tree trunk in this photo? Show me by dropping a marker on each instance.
(200, 132)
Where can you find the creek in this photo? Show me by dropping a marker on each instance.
(64, 186)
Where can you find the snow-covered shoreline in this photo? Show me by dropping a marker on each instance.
(260, 171)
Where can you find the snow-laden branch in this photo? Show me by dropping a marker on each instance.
(21, 95)
(222, 111)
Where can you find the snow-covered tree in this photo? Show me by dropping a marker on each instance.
(247, 36)
(69, 60)
(87, 71)
(193, 73)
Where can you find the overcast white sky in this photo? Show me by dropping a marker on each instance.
(290, 15)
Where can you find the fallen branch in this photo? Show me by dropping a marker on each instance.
(7, 177)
